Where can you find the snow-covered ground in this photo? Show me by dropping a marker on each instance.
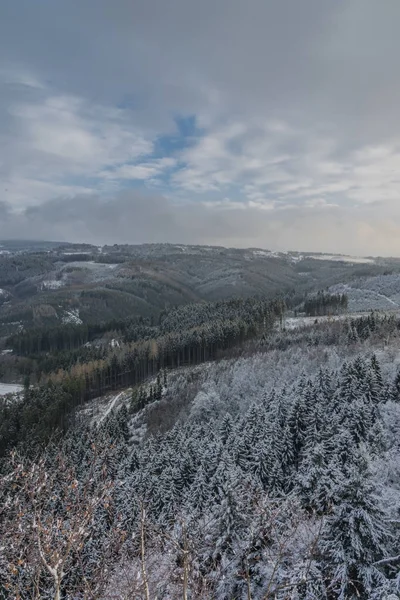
(291, 323)
(343, 258)
(261, 253)
(296, 257)
(381, 292)
(99, 408)
(278, 254)
(10, 388)
(53, 284)
(72, 316)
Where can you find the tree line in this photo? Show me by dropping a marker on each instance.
(325, 304)
(51, 405)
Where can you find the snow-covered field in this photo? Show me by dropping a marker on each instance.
(295, 257)
(9, 388)
(343, 258)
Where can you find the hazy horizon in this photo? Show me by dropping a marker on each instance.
(257, 124)
(180, 243)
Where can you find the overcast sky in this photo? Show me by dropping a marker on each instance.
(235, 122)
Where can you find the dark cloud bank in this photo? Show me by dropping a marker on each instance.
(134, 217)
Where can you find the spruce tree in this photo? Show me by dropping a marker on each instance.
(354, 537)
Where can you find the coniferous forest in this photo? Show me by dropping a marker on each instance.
(325, 304)
(271, 472)
(199, 300)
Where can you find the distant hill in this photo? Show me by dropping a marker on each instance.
(45, 282)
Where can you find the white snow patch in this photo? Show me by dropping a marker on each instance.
(111, 406)
(72, 316)
(275, 254)
(343, 258)
(291, 323)
(296, 258)
(52, 284)
(99, 408)
(10, 388)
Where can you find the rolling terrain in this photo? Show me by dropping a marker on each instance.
(49, 283)
(199, 422)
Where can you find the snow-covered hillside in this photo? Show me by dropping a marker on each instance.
(381, 292)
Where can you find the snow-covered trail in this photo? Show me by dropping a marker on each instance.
(388, 299)
(111, 406)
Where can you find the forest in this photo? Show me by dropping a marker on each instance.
(66, 379)
(197, 449)
(274, 474)
(325, 304)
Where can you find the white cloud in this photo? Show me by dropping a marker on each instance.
(281, 165)
(61, 145)
(18, 77)
(144, 170)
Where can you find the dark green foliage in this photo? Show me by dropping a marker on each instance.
(17, 268)
(325, 304)
(78, 375)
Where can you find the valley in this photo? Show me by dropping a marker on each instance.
(225, 427)
(44, 287)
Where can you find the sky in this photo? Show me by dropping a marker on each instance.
(246, 123)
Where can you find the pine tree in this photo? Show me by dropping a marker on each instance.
(226, 428)
(395, 389)
(354, 537)
(165, 378)
(158, 388)
(317, 480)
(229, 517)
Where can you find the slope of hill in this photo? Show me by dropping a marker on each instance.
(41, 284)
(274, 475)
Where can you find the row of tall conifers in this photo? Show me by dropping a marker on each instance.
(325, 304)
(52, 404)
(133, 363)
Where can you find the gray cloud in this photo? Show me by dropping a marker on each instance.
(298, 102)
(335, 61)
(133, 217)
